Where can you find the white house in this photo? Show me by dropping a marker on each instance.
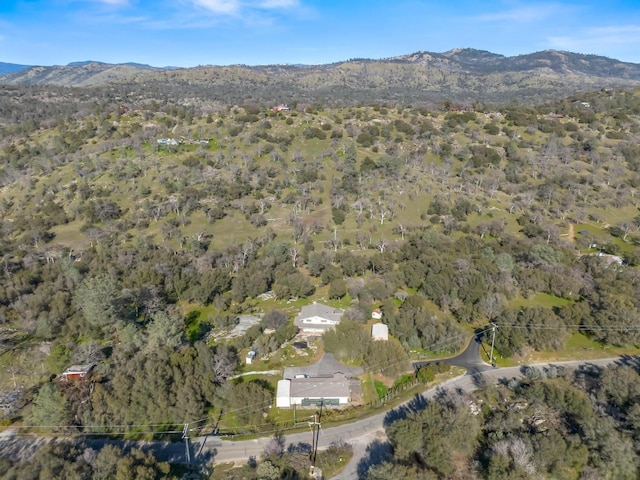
(315, 319)
(313, 391)
(376, 314)
(327, 382)
(251, 356)
(380, 331)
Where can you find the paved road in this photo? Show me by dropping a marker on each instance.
(379, 450)
(469, 358)
(367, 436)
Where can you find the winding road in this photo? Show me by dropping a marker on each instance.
(469, 358)
(367, 436)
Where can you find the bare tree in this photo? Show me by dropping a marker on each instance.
(383, 211)
(335, 240)
(294, 253)
(401, 229)
(224, 363)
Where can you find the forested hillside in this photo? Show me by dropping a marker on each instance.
(136, 230)
(460, 75)
(551, 424)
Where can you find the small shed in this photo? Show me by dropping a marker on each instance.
(283, 395)
(376, 314)
(76, 372)
(380, 331)
(251, 356)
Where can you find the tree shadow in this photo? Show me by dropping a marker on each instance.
(377, 453)
(479, 380)
(201, 454)
(416, 404)
(202, 457)
(300, 447)
(632, 361)
(589, 370)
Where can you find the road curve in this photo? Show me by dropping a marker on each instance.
(367, 436)
(469, 358)
(362, 433)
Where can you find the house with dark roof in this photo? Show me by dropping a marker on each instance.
(317, 318)
(326, 383)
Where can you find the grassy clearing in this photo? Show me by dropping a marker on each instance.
(368, 389)
(68, 235)
(221, 470)
(577, 347)
(580, 347)
(380, 387)
(539, 299)
(601, 236)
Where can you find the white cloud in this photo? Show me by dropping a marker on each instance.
(242, 7)
(598, 39)
(114, 2)
(267, 4)
(227, 7)
(524, 14)
(615, 30)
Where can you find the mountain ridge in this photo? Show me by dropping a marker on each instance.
(461, 74)
(11, 67)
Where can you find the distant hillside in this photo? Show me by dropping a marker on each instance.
(80, 74)
(11, 67)
(460, 75)
(486, 63)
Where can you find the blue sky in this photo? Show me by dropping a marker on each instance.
(187, 33)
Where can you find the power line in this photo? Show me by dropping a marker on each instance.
(613, 328)
(372, 367)
(126, 429)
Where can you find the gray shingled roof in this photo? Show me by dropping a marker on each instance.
(320, 387)
(319, 310)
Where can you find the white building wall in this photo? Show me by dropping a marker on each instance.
(283, 395)
(298, 400)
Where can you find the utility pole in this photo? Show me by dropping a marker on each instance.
(493, 342)
(185, 436)
(314, 440)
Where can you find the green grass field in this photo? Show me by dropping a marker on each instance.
(577, 347)
(539, 299)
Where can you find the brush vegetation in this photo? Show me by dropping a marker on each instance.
(136, 229)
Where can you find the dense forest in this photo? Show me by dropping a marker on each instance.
(549, 424)
(135, 230)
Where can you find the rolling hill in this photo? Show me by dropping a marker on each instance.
(460, 75)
